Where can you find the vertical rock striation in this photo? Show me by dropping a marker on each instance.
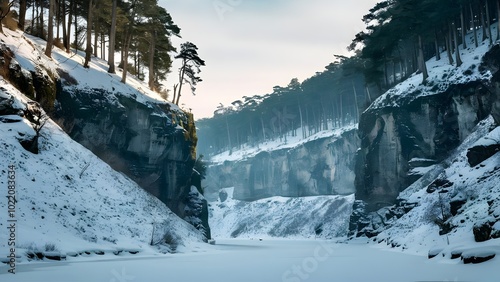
(324, 166)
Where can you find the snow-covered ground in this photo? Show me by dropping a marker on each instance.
(29, 53)
(267, 260)
(304, 217)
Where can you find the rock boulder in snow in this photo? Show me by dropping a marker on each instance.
(477, 255)
(477, 154)
(482, 231)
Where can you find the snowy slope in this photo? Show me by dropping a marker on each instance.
(472, 191)
(441, 76)
(68, 200)
(30, 50)
(304, 217)
(477, 186)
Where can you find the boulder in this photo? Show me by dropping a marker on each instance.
(477, 255)
(482, 231)
(478, 154)
(434, 252)
(495, 232)
(455, 206)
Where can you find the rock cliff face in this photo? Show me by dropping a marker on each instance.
(399, 143)
(149, 142)
(321, 167)
(146, 140)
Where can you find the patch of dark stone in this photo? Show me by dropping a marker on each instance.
(482, 231)
(434, 252)
(479, 257)
(478, 154)
(59, 256)
(438, 184)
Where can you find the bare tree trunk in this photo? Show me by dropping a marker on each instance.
(75, 5)
(483, 23)
(436, 46)
(301, 120)
(462, 23)
(57, 8)
(22, 14)
(448, 47)
(488, 22)
(33, 8)
(229, 137)
(50, 30)
(457, 50)
(88, 49)
(473, 25)
(67, 43)
(96, 39)
(103, 46)
(421, 60)
(152, 47)
(64, 29)
(355, 101)
(42, 35)
(341, 111)
(175, 92)
(181, 80)
(112, 36)
(126, 47)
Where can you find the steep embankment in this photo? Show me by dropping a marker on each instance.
(128, 126)
(428, 168)
(322, 164)
(414, 126)
(298, 217)
(69, 202)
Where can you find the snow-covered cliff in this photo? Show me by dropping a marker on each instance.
(65, 201)
(128, 126)
(320, 165)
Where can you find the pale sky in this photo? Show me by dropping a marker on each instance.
(249, 46)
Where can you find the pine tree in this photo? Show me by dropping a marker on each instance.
(189, 69)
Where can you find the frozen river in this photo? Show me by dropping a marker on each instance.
(260, 261)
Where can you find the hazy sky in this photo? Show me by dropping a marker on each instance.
(252, 45)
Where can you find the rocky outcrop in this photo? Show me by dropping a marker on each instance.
(320, 167)
(428, 127)
(146, 140)
(414, 137)
(149, 142)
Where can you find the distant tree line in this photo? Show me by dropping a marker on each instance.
(400, 36)
(329, 99)
(140, 30)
